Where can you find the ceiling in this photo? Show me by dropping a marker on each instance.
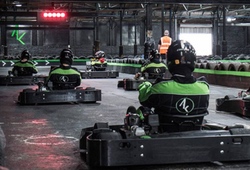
(186, 11)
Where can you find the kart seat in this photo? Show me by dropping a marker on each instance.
(179, 123)
(155, 75)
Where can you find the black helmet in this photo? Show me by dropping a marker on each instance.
(66, 57)
(25, 54)
(100, 54)
(154, 54)
(180, 53)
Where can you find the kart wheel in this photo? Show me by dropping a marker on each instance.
(90, 88)
(2, 146)
(238, 129)
(228, 97)
(108, 135)
(83, 144)
(219, 102)
(28, 90)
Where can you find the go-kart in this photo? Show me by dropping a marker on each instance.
(21, 80)
(98, 71)
(44, 95)
(133, 83)
(238, 105)
(140, 143)
(129, 83)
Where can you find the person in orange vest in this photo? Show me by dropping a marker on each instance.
(163, 44)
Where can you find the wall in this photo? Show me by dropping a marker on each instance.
(49, 42)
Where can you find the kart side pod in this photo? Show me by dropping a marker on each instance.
(21, 80)
(232, 104)
(88, 95)
(99, 74)
(106, 146)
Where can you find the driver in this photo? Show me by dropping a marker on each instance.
(64, 77)
(154, 69)
(24, 67)
(181, 101)
(99, 63)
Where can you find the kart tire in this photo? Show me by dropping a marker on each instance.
(83, 144)
(237, 131)
(2, 146)
(219, 102)
(228, 97)
(90, 88)
(108, 135)
(28, 90)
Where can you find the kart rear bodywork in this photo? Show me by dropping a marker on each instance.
(99, 74)
(21, 80)
(114, 147)
(79, 95)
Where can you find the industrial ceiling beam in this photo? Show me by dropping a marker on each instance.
(34, 14)
(49, 28)
(162, 1)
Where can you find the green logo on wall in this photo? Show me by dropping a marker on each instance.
(18, 37)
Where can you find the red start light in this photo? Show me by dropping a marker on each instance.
(54, 14)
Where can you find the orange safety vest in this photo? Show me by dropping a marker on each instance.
(165, 43)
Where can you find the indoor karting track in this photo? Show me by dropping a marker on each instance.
(43, 137)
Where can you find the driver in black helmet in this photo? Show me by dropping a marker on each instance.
(64, 77)
(181, 101)
(99, 63)
(154, 69)
(24, 67)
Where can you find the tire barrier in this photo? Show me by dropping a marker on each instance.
(244, 67)
(233, 66)
(203, 65)
(212, 66)
(197, 65)
(224, 66)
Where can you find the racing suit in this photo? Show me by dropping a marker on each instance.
(176, 99)
(155, 69)
(26, 68)
(64, 77)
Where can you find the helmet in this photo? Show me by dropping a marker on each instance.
(25, 54)
(181, 53)
(154, 54)
(66, 57)
(100, 54)
(166, 32)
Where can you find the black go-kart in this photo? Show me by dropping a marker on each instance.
(235, 104)
(138, 142)
(129, 83)
(133, 83)
(21, 80)
(44, 95)
(98, 71)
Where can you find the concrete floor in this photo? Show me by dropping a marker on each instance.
(43, 137)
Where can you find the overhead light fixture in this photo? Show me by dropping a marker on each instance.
(17, 3)
(231, 19)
